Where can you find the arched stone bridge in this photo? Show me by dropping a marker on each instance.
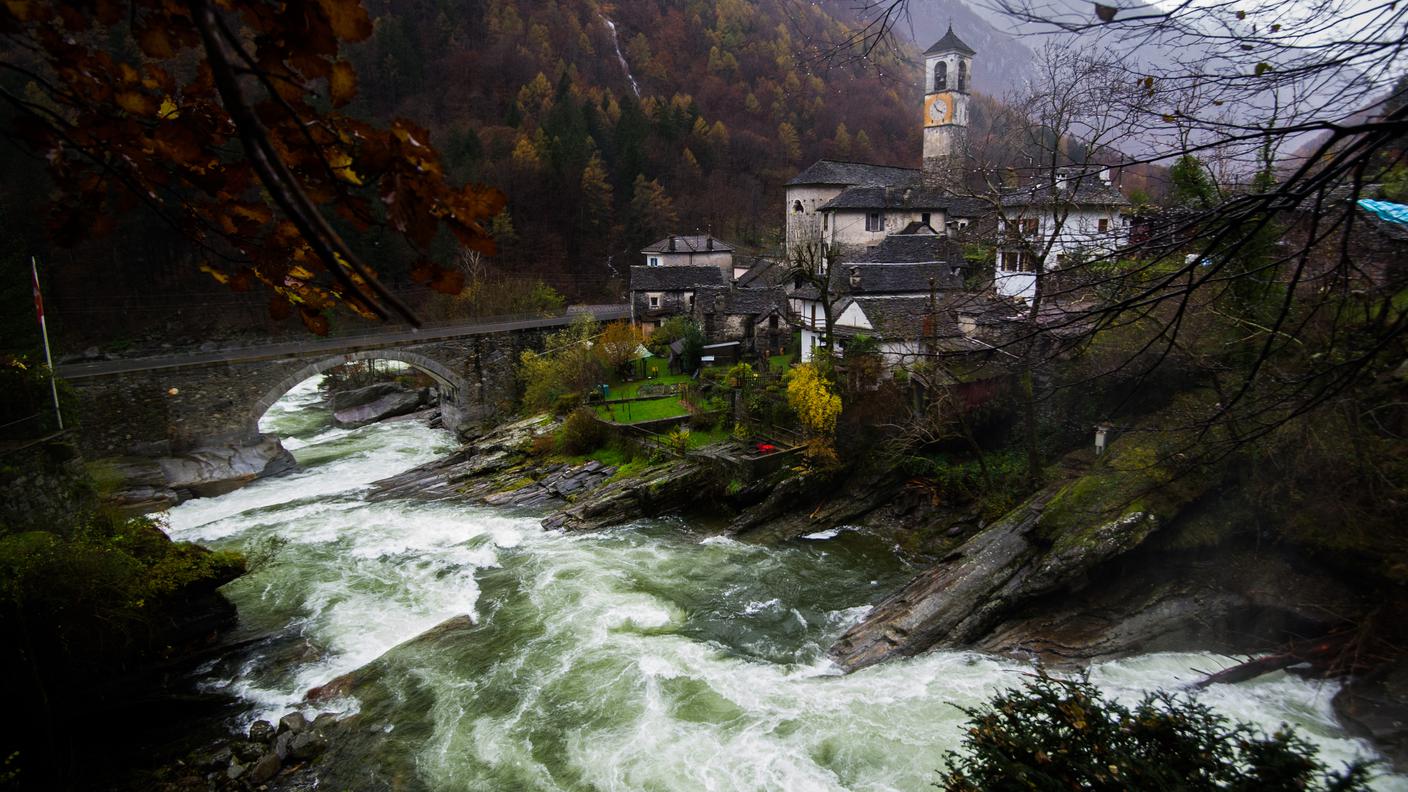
(163, 405)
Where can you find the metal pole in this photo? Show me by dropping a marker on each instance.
(44, 331)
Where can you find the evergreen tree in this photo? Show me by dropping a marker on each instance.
(651, 213)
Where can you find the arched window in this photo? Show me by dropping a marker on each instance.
(941, 76)
(963, 77)
(797, 207)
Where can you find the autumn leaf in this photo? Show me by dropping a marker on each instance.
(342, 85)
(423, 271)
(136, 103)
(448, 281)
(154, 41)
(348, 18)
(313, 320)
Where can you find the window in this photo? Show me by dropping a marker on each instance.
(796, 207)
(874, 222)
(924, 218)
(963, 76)
(1016, 262)
(1104, 225)
(941, 76)
(689, 299)
(825, 216)
(1030, 226)
(654, 301)
(653, 261)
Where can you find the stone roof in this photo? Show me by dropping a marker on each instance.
(875, 278)
(760, 272)
(909, 317)
(749, 302)
(680, 278)
(905, 248)
(1090, 191)
(950, 43)
(689, 244)
(912, 196)
(838, 172)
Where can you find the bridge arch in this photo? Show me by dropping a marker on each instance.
(450, 385)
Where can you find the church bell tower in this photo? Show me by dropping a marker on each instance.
(948, 76)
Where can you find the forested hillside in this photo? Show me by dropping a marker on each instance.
(706, 110)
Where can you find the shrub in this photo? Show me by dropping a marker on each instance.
(1060, 734)
(542, 445)
(703, 421)
(678, 440)
(582, 433)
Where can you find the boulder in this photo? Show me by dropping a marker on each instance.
(342, 400)
(392, 404)
(1375, 706)
(283, 745)
(264, 769)
(245, 751)
(261, 731)
(308, 744)
(293, 722)
(216, 470)
(137, 485)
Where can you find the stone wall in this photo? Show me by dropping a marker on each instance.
(42, 485)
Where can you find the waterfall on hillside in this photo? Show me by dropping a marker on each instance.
(616, 42)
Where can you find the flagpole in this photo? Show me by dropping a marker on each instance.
(44, 331)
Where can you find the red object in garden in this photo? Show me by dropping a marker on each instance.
(766, 448)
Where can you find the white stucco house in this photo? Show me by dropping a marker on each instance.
(1079, 217)
(691, 251)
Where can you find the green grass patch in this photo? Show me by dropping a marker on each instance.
(698, 438)
(780, 363)
(645, 410)
(628, 390)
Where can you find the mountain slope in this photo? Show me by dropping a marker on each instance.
(574, 106)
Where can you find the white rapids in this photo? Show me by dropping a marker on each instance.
(639, 658)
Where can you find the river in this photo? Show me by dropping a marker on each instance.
(648, 657)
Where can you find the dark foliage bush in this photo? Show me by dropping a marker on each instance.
(1062, 734)
(581, 433)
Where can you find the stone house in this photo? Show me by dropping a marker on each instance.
(915, 262)
(691, 251)
(660, 292)
(756, 318)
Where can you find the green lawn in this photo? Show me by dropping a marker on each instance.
(628, 390)
(780, 362)
(637, 411)
(699, 438)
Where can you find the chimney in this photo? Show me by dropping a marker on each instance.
(708, 243)
(672, 244)
(855, 279)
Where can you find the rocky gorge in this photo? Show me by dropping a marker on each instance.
(1102, 567)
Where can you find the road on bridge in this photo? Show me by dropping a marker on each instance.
(334, 346)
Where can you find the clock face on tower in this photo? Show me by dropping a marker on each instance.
(938, 109)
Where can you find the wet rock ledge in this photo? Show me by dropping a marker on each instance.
(498, 469)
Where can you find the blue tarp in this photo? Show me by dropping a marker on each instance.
(1386, 210)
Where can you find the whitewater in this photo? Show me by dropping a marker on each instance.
(653, 656)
